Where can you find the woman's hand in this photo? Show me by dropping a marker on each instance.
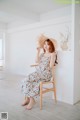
(38, 49)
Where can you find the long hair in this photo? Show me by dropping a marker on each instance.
(51, 49)
(51, 46)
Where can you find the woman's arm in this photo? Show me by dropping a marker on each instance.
(38, 55)
(52, 60)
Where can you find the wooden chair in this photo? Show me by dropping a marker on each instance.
(45, 90)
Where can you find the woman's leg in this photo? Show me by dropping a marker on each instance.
(26, 101)
(31, 103)
(30, 88)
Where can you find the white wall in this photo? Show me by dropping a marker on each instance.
(65, 11)
(2, 27)
(21, 52)
(61, 12)
(20, 23)
(76, 52)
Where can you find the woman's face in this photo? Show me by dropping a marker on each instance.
(46, 46)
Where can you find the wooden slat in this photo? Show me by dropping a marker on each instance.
(48, 82)
(34, 65)
(48, 90)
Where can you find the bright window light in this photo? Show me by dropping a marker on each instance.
(0, 49)
(1, 52)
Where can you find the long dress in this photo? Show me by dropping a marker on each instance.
(30, 85)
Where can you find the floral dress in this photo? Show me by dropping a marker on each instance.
(30, 85)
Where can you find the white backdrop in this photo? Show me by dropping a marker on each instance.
(21, 52)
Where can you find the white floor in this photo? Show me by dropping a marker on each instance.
(11, 98)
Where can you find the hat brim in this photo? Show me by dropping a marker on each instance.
(42, 38)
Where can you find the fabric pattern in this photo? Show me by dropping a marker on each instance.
(30, 85)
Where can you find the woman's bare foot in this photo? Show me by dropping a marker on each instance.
(31, 103)
(26, 101)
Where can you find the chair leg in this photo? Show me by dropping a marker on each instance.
(40, 96)
(54, 92)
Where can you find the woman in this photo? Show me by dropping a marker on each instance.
(46, 61)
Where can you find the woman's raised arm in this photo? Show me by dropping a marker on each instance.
(38, 55)
(52, 60)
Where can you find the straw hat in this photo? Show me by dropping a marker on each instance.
(41, 40)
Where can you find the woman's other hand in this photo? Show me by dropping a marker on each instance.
(38, 49)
